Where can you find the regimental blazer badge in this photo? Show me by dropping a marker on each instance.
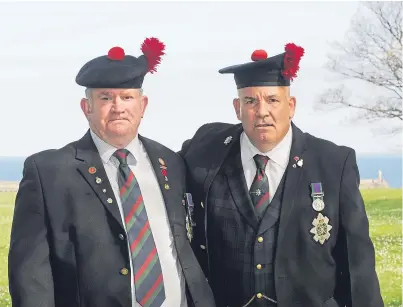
(321, 229)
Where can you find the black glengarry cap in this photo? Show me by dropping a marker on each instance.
(278, 70)
(118, 70)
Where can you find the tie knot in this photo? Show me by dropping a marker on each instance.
(261, 161)
(121, 155)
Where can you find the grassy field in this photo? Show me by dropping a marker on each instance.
(384, 209)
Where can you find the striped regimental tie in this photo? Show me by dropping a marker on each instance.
(148, 279)
(259, 190)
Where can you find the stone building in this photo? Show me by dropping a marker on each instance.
(9, 186)
(376, 183)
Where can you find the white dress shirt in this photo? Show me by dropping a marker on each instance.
(140, 164)
(275, 168)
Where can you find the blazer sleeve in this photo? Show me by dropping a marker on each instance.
(198, 242)
(358, 265)
(29, 269)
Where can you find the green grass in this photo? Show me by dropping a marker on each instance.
(384, 208)
(6, 213)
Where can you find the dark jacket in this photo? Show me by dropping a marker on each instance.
(68, 245)
(229, 241)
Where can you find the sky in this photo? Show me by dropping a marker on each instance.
(44, 44)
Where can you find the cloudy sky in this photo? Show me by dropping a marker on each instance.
(45, 44)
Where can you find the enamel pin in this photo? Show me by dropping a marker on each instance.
(92, 170)
(164, 173)
(299, 162)
(164, 169)
(317, 196)
(98, 180)
(228, 140)
(321, 229)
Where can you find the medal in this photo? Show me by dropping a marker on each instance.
(317, 196)
(189, 207)
(189, 229)
(318, 205)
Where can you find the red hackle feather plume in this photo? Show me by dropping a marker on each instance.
(153, 49)
(293, 55)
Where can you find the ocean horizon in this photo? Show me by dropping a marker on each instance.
(368, 165)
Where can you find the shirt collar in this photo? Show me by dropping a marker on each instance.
(279, 154)
(106, 150)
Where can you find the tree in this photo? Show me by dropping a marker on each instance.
(371, 54)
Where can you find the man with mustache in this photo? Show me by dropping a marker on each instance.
(101, 221)
(278, 219)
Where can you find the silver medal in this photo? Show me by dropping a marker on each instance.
(318, 205)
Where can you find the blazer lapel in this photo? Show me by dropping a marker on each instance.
(238, 187)
(171, 190)
(93, 171)
(292, 180)
(222, 145)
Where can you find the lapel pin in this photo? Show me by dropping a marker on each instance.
(166, 186)
(109, 200)
(201, 204)
(163, 167)
(98, 180)
(92, 170)
(299, 162)
(104, 190)
(228, 140)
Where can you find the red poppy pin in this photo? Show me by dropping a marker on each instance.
(164, 172)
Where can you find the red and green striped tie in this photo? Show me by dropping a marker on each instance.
(259, 190)
(148, 279)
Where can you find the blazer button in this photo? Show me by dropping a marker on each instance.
(259, 295)
(260, 239)
(121, 237)
(124, 271)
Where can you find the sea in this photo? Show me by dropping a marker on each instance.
(368, 166)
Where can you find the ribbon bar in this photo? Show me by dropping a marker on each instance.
(317, 189)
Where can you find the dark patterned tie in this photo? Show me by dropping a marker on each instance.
(148, 279)
(259, 190)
